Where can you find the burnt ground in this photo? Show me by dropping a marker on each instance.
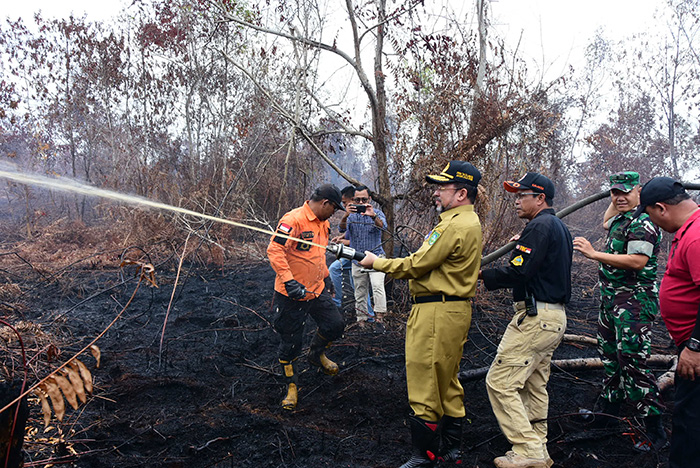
(211, 398)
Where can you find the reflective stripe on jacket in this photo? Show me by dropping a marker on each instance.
(298, 261)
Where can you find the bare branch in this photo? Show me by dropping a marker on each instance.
(297, 125)
(336, 118)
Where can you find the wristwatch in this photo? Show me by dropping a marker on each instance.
(693, 344)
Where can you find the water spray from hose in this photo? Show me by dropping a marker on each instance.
(339, 250)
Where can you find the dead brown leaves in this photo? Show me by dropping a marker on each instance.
(146, 270)
(72, 384)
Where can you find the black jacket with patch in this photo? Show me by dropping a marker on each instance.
(540, 263)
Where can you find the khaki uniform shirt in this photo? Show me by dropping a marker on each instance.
(447, 262)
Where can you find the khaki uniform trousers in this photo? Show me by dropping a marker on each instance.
(363, 279)
(517, 380)
(435, 337)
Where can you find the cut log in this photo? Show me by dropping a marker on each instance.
(667, 380)
(580, 339)
(573, 364)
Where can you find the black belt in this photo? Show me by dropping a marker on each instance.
(437, 298)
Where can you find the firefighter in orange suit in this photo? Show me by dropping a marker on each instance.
(301, 287)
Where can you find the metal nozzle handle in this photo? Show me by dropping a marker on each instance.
(343, 251)
(359, 256)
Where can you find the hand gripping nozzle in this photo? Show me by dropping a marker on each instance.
(343, 251)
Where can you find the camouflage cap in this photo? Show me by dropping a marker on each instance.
(624, 181)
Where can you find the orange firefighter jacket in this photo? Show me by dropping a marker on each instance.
(294, 260)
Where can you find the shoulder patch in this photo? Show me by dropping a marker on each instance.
(517, 261)
(433, 237)
(524, 249)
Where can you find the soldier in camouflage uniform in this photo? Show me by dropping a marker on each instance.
(629, 304)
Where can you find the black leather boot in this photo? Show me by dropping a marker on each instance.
(655, 435)
(450, 441)
(607, 415)
(424, 442)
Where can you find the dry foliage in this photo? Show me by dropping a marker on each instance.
(74, 383)
(9, 291)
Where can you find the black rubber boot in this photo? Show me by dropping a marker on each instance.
(607, 415)
(424, 442)
(655, 434)
(450, 441)
(317, 355)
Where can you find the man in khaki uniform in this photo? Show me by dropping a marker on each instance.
(539, 272)
(442, 277)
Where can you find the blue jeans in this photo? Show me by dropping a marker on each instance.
(336, 273)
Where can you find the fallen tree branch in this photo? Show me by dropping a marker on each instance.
(572, 364)
(667, 380)
(498, 253)
(580, 339)
(172, 295)
(218, 439)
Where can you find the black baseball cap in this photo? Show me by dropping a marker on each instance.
(331, 193)
(531, 181)
(657, 190)
(457, 172)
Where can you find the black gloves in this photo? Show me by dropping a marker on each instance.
(295, 290)
(329, 286)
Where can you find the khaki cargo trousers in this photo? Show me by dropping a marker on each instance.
(435, 337)
(517, 380)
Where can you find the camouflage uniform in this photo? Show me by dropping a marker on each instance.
(629, 304)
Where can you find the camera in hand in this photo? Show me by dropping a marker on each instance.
(360, 208)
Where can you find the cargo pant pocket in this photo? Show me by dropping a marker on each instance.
(549, 336)
(509, 371)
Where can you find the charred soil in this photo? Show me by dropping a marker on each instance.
(210, 395)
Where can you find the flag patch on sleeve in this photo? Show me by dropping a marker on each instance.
(285, 229)
(522, 248)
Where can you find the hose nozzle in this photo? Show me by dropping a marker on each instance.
(343, 251)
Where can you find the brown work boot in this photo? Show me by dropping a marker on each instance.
(514, 460)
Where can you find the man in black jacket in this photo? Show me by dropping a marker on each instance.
(539, 272)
